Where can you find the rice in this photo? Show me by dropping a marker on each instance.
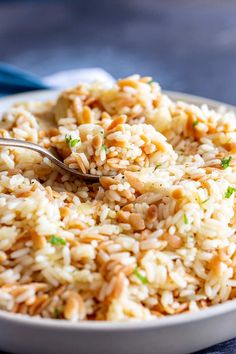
(155, 237)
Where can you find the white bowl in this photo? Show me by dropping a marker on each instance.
(178, 334)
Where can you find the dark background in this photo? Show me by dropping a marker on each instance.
(186, 45)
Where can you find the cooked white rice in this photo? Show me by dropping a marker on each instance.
(155, 237)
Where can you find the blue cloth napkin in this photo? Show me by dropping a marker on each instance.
(14, 80)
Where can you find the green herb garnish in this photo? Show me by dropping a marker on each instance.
(57, 313)
(229, 192)
(70, 141)
(157, 166)
(101, 132)
(195, 123)
(141, 277)
(200, 202)
(150, 81)
(103, 147)
(204, 201)
(185, 219)
(225, 162)
(54, 240)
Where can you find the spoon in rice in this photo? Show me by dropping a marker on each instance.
(14, 143)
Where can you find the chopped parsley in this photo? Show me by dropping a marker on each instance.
(103, 147)
(141, 277)
(101, 132)
(157, 166)
(200, 202)
(70, 141)
(54, 240)
(204, 201)
(185, 219)
(195, 123)
(57, 313)
(150, 81)
(225, 162)
(229, 192)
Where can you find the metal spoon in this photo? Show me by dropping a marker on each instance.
(49, 155)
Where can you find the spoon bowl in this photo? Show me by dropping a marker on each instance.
(41, 150)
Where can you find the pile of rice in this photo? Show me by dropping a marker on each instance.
(155, 237)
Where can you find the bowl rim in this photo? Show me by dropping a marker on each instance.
(50, 323)
(170, 321)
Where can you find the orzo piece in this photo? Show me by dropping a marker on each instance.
(155, 237)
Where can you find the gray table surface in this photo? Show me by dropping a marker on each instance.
(187, 45)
